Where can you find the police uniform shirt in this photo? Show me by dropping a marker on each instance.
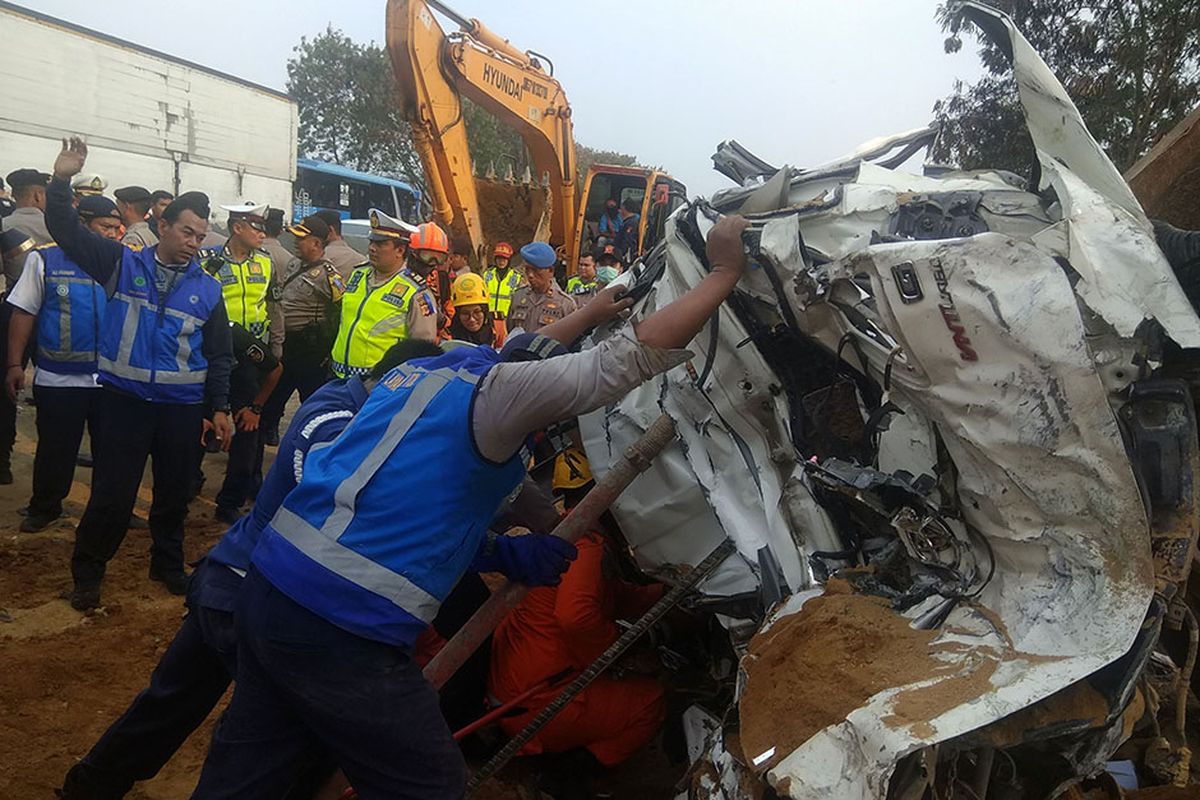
(308, 293)
(254, 360)
(281, 259)
(30, 221)
(344, 258)
(422, 320)
(531, 311)
(140, 235)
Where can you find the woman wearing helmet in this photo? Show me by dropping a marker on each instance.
(472, 321)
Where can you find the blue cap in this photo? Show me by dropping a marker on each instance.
(97, 205)
(539, 254)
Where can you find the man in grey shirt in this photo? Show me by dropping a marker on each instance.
(29, 194)
(345, 259)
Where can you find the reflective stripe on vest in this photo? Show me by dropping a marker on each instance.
(68, 323)
(151, 345)
(500, 292)
(244, 285)
(322, 545)
(373, 319)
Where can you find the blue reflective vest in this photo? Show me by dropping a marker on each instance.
(151, 346)
(68, 324)
(387, 518)
(319, 419)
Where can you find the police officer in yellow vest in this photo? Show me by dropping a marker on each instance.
(247, 275)
(381, 305)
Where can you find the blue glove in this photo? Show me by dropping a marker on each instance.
(535, 559)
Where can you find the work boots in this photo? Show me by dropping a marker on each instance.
(176, 582)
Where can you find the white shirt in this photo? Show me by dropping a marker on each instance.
(28, 295)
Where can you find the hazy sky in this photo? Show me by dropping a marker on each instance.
(796, 81)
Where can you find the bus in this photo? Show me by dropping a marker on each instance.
(320, 185)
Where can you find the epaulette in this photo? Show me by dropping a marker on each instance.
(44, 246)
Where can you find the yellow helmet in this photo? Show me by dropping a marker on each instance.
(468, 289)
(571, 469)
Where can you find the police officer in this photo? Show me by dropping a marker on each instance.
(91, 185)
(343, 257)
(281, 257)
(134, 204)
(15, 246)
(541, 301)
(7, 206)
(247, 275)
(164, 354)
(361, 554)
(29, 196)
(382, 305)
(310, 298)
(59, 307)
(502, 280)
(582, 286)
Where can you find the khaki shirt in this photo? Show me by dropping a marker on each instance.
(309, 293)
(344, 258)
(139, 236)
(532, 311)
(280, 257)
(30, 221)
(516, 398)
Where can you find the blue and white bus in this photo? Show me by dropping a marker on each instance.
(351, 193)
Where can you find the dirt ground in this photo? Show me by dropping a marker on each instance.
(64, 677)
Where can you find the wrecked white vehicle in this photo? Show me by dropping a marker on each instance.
(947, 421)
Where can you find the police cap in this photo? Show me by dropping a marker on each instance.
(132, 194)
(27, 177)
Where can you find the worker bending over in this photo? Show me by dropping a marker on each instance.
(360, 555)
(557, 632)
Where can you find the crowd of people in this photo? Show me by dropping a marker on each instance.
(349, 563)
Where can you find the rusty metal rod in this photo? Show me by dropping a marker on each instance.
(636, 460)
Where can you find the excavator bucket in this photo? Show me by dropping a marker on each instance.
(513, 213)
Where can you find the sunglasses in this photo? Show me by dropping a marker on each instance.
(431, 258)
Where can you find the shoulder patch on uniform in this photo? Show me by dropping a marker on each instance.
(425, 304)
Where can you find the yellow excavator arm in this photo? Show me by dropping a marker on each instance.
(434, 71)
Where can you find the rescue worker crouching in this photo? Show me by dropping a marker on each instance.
(164, 354)
(310, 297)
(557, 632)
(247, 275)
(541, 301)
(382, 304)
(60, 308)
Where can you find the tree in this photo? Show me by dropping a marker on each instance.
(1131, 66)
(346, 98)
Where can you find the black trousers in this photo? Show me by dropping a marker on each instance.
(305, 369)
(128, 431)
(243, 473)
(8, 409)
(61, 416)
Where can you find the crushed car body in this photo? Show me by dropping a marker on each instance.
(942, 420)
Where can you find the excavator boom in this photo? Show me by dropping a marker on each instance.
(434, 71)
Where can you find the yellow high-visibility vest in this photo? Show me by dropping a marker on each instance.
(500, 292)
(373, 319)
(245, 285)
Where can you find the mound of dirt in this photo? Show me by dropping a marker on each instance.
(510, 213)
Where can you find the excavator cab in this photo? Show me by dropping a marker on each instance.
(656, 194)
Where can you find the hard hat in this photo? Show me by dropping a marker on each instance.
(503, 250)
(429, 236)
(468, 289)
(539, 255)
(571, 469)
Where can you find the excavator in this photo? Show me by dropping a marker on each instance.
(435, 71)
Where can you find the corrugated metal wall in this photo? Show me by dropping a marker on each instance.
(139, 113)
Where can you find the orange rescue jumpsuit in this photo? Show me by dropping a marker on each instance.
(566, 627)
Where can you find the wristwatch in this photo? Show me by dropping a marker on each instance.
(256, 408)
(223, 410)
